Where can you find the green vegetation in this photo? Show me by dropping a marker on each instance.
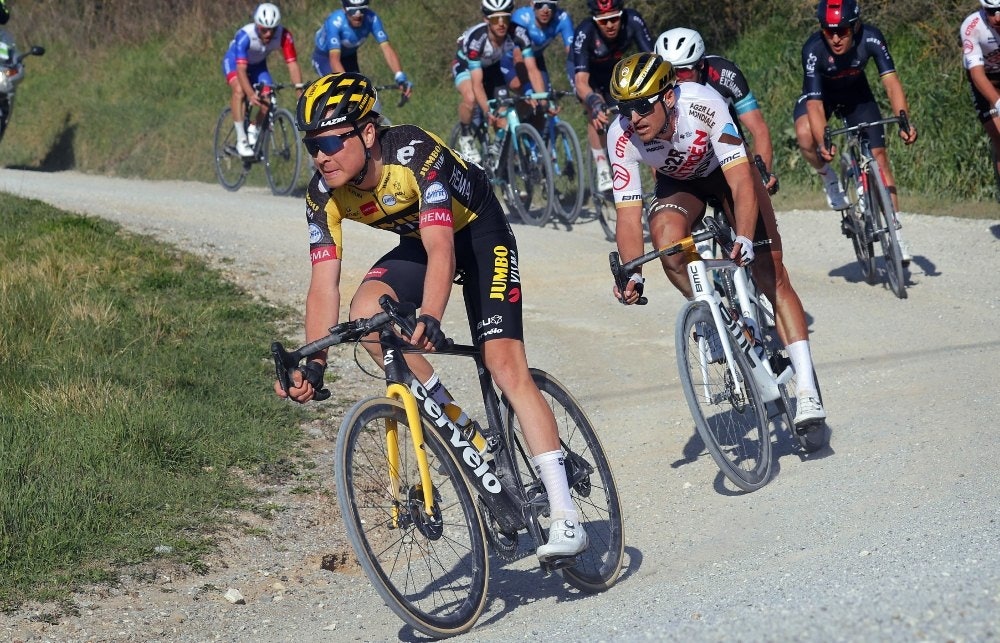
(132, 380)
(139, 85)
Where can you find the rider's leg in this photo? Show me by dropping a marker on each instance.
(670, 219)
(807, 147)
(789, 315)
(236, 102)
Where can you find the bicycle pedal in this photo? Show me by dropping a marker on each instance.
(555, 564)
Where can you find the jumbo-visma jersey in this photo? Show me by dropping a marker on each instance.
(423, 184)
(704, 139)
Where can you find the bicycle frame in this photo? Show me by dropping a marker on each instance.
(729, 327)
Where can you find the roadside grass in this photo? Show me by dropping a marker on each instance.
(133, 388)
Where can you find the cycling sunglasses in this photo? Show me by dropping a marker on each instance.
(608, 19)
(498, 18)
(641, 106)
(328, 144)
(545, 4)
(354, 13)
(838, 31)
(992, 12)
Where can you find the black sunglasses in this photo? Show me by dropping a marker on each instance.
(329, 144)
(641, 106)
(993, 12)
(551, 6)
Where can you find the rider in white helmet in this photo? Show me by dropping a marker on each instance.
(981, 59)
(685, 49)
(245, 64)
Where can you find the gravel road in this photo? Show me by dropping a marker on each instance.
(890, 534)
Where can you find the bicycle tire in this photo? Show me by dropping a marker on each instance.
(595, 497)
(569, 172)
(230, 168)
(733, 428)
(529, 176)
(864, 248)
(282, 154)
(432, 573)
(884, 220)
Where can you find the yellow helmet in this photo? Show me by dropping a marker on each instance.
(642, 75)
(349, 95)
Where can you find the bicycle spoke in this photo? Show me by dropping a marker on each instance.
(430, 569)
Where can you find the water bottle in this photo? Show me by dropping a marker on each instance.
(469, 428)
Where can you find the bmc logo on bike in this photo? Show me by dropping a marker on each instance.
(469, 454)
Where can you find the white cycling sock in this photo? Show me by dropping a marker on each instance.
(600, 158)
(802, 364)
(550, 468)
(241, 133)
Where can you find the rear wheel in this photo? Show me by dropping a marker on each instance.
(282, 154)
(860, 234)
(729, 413)
(569, 173)
(429, 566)
(529, 176)
(591, 485)
(884, 219)
(230, 167)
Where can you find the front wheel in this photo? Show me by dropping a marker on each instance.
(728, 412)
(591, 484)
(429, 566)
(282, 154)
(884, 220)
(529, 176)
(230, 167)
(568, 171)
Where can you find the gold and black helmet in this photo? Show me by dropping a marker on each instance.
(335, 99)
(641, 76)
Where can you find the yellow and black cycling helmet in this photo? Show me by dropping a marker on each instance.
(643, 75)
(336, 99)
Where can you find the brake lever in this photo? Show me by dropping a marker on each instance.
(621, 281)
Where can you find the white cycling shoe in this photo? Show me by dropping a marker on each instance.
(709, 342)
(604, 180)
(835, 196)
(810, 411)
(904, 249)
(244, 149)
(566, 538)
(467, 148)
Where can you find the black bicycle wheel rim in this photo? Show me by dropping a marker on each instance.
(884, 219)
(282, 154)
(436, 583)
(568, 171)
(595, 496)
(230, 168)
(529, 175)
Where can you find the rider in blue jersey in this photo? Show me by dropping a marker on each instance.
(545, 22)
(340, 36)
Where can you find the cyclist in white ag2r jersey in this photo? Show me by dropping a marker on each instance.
(980, 34)
(686, 134)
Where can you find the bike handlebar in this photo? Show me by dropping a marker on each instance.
(829, 133)
(401, 314)
(403, 96)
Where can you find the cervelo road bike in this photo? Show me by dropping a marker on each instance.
(736, 376)
(516, 160)
(421, 496)
(276, 144)
(570, 175)
(870, 214)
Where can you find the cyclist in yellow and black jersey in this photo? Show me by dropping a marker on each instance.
(404, 180)
(415, 164)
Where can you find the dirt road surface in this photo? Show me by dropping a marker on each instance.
(890, 534)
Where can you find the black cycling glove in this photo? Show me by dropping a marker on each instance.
(312, 372)
(433, 332)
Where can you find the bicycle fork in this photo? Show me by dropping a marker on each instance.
(760, 368)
